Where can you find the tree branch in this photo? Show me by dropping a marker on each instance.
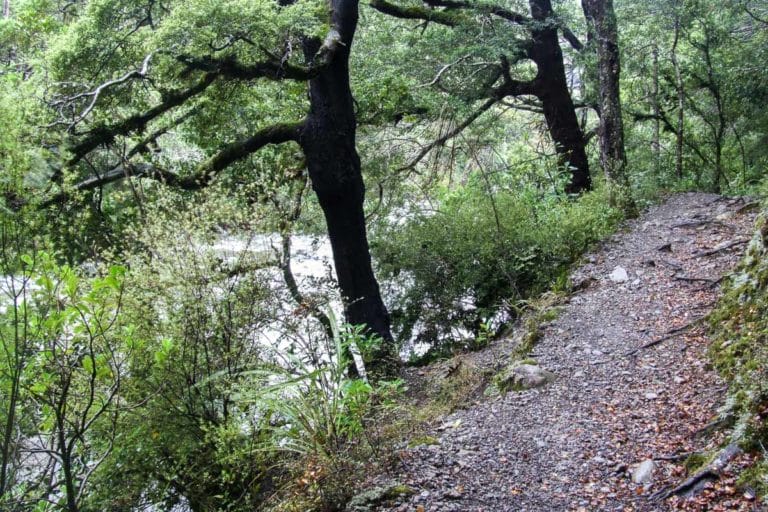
(510, 86)
(96, 93)
(451, 134)
(106, 134)
(448, 19)
(572, 39)
(496, 10)
(445, 68)
(231, 68)
(203, 175)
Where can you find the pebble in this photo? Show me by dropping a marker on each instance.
(643, 473)
(619, 275)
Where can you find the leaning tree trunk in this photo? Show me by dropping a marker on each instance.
(602, 21)
(328, 141)
(552, 89)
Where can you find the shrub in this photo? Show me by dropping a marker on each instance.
(456, 272)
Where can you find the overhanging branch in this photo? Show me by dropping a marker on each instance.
(441, 17)
(96, 93)
(572, 39)
(204, 173)
(229, 67)
(106, 134)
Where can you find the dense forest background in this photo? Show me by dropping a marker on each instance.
(174, 172)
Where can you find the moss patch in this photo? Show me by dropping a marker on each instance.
(740, 347)
(423, 441)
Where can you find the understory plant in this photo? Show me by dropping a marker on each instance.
(458, 271)
(320, 415)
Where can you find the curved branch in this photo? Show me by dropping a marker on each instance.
(204, 173)
(451, 134)
(106, 134)
(448, 19)
(96, 93)
(231, 68)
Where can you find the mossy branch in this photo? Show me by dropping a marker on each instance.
(105, 134)
(203, 175)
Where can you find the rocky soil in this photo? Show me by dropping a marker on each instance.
(633, 393)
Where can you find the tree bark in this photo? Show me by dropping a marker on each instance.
(328, 141)
(551, 88)
(656, 142)
(602, 20)
(680, 86)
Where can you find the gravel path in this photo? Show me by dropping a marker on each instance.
(573, 444)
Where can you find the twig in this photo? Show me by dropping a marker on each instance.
(695, 279)
(747, 207)
(671, 264)
(696, 223)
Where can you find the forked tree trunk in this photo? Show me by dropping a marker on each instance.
(328, 141)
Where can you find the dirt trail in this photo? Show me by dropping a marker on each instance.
(573, 444)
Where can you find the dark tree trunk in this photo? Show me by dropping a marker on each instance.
(602, 21)
(328, 141)
(552, 89)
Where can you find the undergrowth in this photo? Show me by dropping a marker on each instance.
(459, 272)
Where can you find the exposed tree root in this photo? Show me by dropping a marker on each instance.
(672, 333)
(713, 426)
(720, 248)
(694, 484)
(695, 279)
(676, 457)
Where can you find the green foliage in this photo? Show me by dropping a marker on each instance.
(724, 130)
(320, 414)
(64, 353)
(476, 257)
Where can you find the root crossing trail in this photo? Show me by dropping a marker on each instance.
(633, 383)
